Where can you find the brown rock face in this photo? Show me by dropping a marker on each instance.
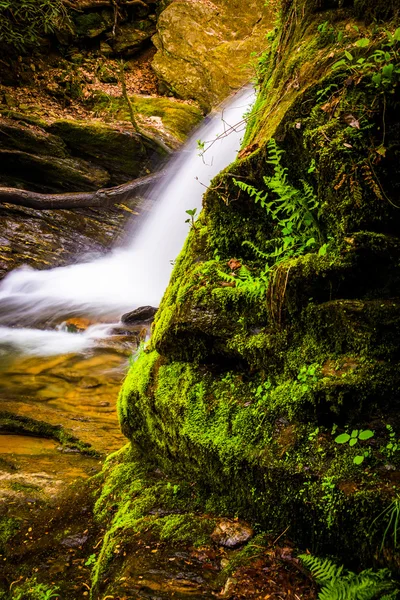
(204, 47)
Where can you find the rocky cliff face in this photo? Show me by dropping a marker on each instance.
(276, 343)
(204, 48)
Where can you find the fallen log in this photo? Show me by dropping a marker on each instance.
(70, 200)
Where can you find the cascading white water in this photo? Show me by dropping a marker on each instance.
(126, 278)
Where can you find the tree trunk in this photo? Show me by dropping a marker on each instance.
(100, 198)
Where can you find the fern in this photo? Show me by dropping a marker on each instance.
(258, 195)
(295, 212)
(323, 570)
(340, 584)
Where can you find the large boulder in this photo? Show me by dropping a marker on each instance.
(204, 47)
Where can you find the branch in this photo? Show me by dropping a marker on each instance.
(100, 198)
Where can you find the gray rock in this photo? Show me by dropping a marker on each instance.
(144, 313)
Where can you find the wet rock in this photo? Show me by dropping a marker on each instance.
(144, 313)
(231, 534)
(28, 138)
(123, 153)
(49, 173)
(74, 541)
(132, 37)
(202, 47)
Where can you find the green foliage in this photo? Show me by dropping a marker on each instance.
(23, 22)
(352, 440)
(34, 591)
(379, 68)
(294, 212)
(192, 214)
(392, 515)
(339, 584)
(393, 445)
(91, 560)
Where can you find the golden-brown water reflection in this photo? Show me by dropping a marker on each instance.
(78, 392)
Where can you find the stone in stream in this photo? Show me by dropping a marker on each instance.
(144, 313)
(231, 534)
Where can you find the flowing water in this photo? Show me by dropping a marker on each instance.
(52, 375)
(126, 278)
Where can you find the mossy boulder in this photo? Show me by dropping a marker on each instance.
(203, 48)
(250, 374)
(123, 153)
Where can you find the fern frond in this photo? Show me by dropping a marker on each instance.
(365, 586)
(228, 277)
(323, 570)
(257, 195)
(338, 584)
(257, 251)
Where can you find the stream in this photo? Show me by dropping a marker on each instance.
(63, 349)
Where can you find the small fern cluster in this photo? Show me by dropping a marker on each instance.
(339, 584)
(295, 213)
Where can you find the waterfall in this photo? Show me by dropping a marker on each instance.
(129, 277)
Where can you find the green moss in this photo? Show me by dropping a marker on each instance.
(135, 502)
(11, 423)
(123, 154)
(9, 526)
(178, 117)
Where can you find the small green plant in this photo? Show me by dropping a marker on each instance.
(339, 584)
(91, 560)
(353, 438)
(35, 591)
(201, 146)
(393, 445)
(313, 435)
(380, 68)
(326, 33)
(192, 215)
(309, 375)
(392, 514)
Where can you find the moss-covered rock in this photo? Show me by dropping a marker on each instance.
(250, 373)
(124, 154)
(130, 38)
(204, 48)
(169, 118)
